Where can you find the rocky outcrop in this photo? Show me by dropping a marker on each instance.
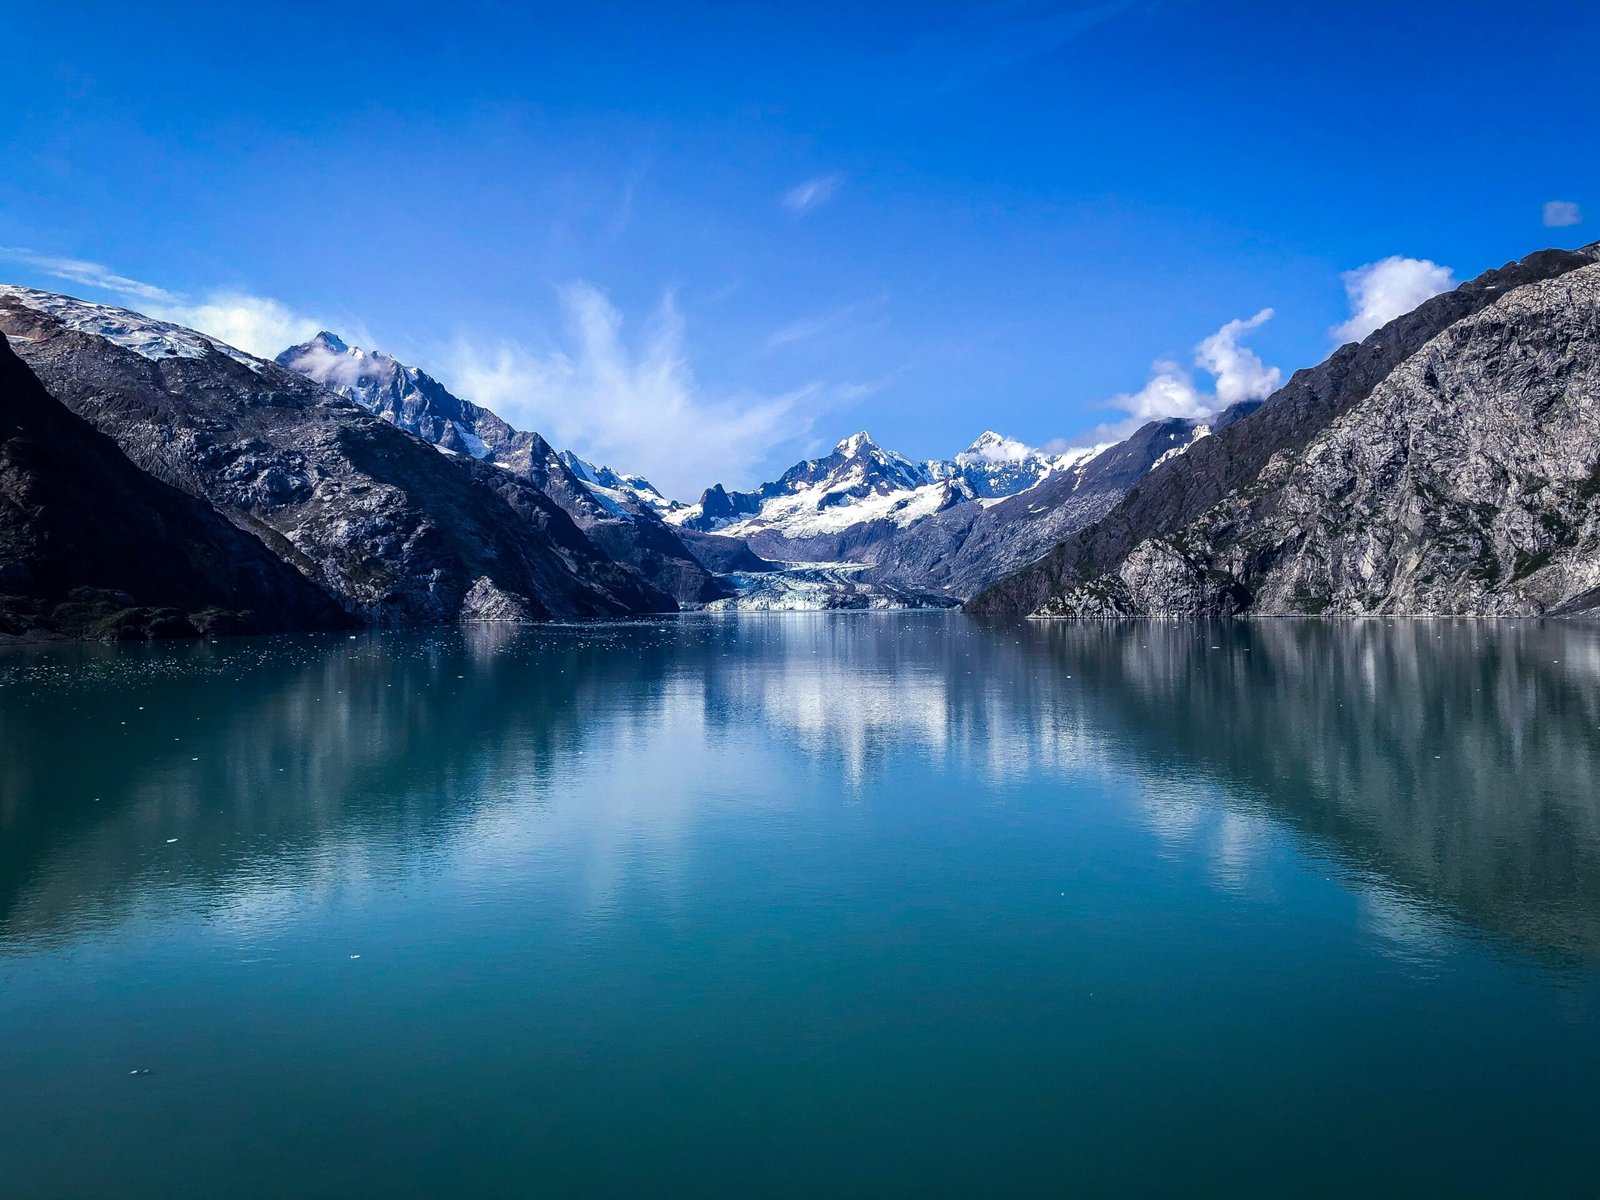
(399, 532)
(1450, 463)
(93, 547)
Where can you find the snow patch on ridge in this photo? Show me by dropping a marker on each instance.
(1199, 432)
(143, 335)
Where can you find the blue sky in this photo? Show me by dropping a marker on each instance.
(702, 240)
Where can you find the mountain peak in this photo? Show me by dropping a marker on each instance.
(992, 447)
(330, 341)
(855, 444)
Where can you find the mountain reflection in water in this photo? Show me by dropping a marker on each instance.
(805, 904)
(1449, 767)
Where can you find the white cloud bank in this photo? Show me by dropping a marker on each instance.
(811, 193)
(1172, 391)
(996, 448)
(1381, 291)
(255, 324)
(636, 405)
(1559, 214)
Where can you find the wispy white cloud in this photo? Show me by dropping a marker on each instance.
(1170, 392)
(1237, 371)
(1558, 214)
(329, 367)
(804, 329)
(811, 193)
(1001, 36)
(255, 324)
(1381, 291)
(635, 404)
(87, 274)
(1240, 373)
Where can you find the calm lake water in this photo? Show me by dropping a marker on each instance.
(828, 905)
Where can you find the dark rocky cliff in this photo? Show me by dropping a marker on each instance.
(91, 546)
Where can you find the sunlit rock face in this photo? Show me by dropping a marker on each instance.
(1448, 464)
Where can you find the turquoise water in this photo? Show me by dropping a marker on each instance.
(805, 906)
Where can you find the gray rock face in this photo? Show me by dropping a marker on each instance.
(398, 531)
(627, 528)
(1450, 463)
(91, 546)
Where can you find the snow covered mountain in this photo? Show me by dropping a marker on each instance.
(621, 490)
(145, 336)
(418, 403)
(860, 482)
(402, 395)
(995, 467)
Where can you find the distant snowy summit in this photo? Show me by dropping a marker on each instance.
(861, 482)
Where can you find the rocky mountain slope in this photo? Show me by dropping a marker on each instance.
(618, 513)
(1449, 463)
(397, 531)
(963, 549)
(401, 395)
(91, 546)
